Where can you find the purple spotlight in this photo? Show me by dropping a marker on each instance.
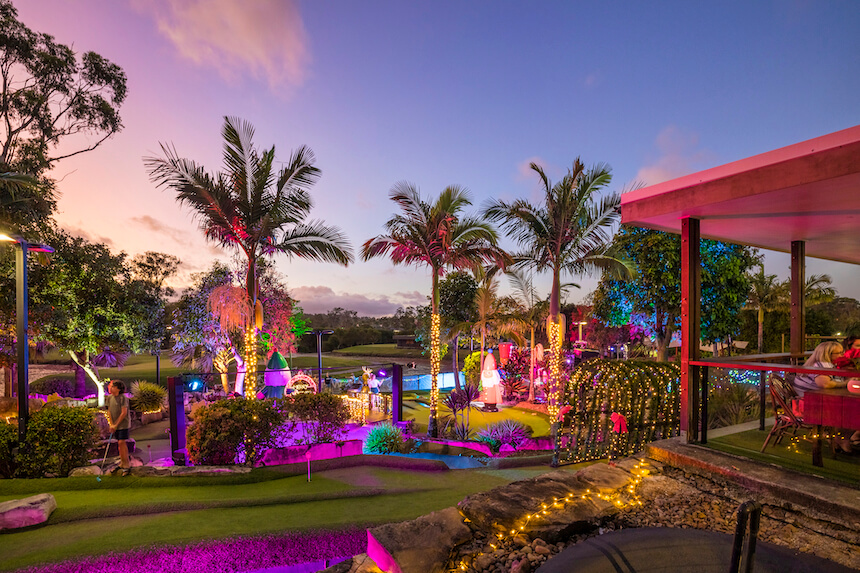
(382, 373)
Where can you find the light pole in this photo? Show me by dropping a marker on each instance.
(21, 332)
(581, 323)
(319, 332)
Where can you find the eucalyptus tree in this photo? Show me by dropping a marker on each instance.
(254, 209)
(569, 231)
(437, 235)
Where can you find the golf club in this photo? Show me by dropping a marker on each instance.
(107, 447)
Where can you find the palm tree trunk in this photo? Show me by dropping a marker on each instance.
(251, 331)
(760, 330)
(532, 368)
(432, 423)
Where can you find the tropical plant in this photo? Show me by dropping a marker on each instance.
(533, 314)
(472, 366)
(253, 209)
(491, 316)
(457, 307)
(460, 404)
(147, 396)
(8, 442)
(383, 439)
(766, 294)
(439, 236)
(504, 432)
(570, 231)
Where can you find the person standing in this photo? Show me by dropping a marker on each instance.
(117, 403)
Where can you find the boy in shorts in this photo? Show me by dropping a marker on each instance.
(117, 403)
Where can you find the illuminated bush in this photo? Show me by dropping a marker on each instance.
(8, 440)
(318, 418)
(62, 386)
(58, 440)
(472, 369)
(232, 430)
(383, 439)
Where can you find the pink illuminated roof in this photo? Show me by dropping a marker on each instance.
(809, 191)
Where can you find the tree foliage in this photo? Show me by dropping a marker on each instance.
(653, 299)
(50, 96)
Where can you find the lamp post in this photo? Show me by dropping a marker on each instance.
(319, 333)
(23, 247)
(581, 323)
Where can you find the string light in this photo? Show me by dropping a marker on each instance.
(644, 392)
(251, 363)
(555, 383)
(435, 361)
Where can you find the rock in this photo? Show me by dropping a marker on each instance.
(26, 512)
(603, 478)
(483, 561)
(505, 508)
(521, 566)
(542, 550)
(358, 564)
(394, 548)
(86, 471)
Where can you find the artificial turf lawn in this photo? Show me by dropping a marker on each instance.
(791, 454)
(153, 512)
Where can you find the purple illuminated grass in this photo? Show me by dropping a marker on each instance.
(229, 555)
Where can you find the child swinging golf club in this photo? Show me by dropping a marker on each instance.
(117, 403)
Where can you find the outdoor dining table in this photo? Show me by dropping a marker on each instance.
(836, 407)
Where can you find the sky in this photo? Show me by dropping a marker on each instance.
(442, 93)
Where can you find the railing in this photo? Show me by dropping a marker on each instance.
(763, 363)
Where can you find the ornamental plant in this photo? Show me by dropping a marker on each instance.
(232, 430)
(62, 386)
(318, 418)
(383, 439)
(510, 432)
(147, 396)
(472, 369)
(59, 439)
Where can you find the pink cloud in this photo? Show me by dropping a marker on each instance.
(679, 155)
(264, 37)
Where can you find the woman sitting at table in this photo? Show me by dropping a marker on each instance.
(824, 356)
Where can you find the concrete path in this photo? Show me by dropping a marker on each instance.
(669, 550)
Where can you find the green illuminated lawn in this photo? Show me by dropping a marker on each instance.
(123, 513)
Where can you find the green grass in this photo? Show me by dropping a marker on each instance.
(124, 513)
(379, 350)
(791, 454)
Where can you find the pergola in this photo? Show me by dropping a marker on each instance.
(803, 199)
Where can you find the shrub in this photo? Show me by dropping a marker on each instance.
(383, 439)
(513, 387)
(732, 403)
(58, 440)
(321, 417)
(147, 396)
(231, 430)
(62, 386)
(510, 432)
(472, 369)
(8, 441)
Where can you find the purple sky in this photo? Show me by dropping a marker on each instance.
(440, 93)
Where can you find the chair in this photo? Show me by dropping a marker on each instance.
(782, 394)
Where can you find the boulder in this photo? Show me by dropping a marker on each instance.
(84, 471)
(358, 564)
(422, 545)
(26, 512)
(505, 508)
(603, 478)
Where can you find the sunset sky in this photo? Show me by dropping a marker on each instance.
(440, 93)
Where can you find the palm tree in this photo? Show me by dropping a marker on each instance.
(569, 232)
(766, 294)
(252, 208)
(491, 318)
(817, 289)
(438, 236)
(534, 311)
